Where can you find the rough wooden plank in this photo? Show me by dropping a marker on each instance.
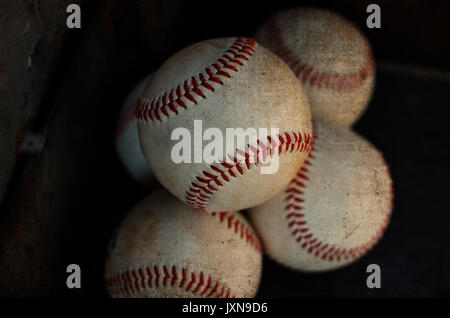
(70, 195)
(31, 36)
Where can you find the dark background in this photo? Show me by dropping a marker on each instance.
(60, 205)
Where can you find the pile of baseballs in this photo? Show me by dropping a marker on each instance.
(309, 73)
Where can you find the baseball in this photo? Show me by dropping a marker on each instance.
(127, 142)
(165, 249)
(329, 55)
(226, 83)
(334, 210)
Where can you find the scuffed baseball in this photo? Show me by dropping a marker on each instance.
(335, 209)
(165, 249)
(127, 142)
(226, 83)
(330, 56)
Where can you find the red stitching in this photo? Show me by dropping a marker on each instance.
(156, 109)
(307, 73)
(303, 235)
(132, 281)
(239, 227)
(135, 280)
(208, 182)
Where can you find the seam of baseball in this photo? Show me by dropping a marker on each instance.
(132, 281)
(209, 181)
(304, 236)
(169, 103)
(146, 277)
(240, 228)
(308, 74)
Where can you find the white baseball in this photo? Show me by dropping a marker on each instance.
(127, 142)
(165, 249)
(332, 59)
(226, 83)
(334, 210)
